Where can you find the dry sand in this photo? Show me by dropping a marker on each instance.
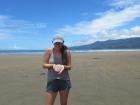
(107, 78)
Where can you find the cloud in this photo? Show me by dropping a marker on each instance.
(124, 33)
(105, 26)
(7, 23)
(4, 36)
(108, 21)
(83, 42)
(123, 3)
(135, 30)
(13, 27)
(2, 17)
(15, 47)
(113, 34)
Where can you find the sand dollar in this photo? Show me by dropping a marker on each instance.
(58, 67)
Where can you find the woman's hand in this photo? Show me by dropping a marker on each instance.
(58, 68)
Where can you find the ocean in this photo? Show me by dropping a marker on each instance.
(14, 52)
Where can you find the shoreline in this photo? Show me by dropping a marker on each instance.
(24, 52)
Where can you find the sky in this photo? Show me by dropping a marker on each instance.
(31, 24)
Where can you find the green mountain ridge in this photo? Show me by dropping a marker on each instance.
(129, 43)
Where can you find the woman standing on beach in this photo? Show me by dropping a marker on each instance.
(58, 61)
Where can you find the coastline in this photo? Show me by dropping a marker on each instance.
(41, 52)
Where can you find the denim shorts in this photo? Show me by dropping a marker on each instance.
(58, 85)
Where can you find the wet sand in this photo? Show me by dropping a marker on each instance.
(100, 78)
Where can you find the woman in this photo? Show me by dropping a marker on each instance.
(58, 61)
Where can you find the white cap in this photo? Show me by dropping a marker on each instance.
(58, 38)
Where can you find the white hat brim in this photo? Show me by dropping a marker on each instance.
(58, 40)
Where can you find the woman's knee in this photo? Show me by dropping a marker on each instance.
(64, 104)
(50, 98)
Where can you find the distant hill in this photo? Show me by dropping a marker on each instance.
(129, 43)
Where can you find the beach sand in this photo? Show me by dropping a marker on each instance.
(100, 78)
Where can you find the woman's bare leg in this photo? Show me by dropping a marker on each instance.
(64, 97)
(50, 98)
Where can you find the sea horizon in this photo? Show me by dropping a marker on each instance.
(19, 51)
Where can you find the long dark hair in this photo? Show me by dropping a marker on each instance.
(64, 54)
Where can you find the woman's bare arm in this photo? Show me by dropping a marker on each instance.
(68, 56)
(46, 56)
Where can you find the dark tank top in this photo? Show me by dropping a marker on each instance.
(52, 75)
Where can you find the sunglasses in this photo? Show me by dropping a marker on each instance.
(57, 43)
